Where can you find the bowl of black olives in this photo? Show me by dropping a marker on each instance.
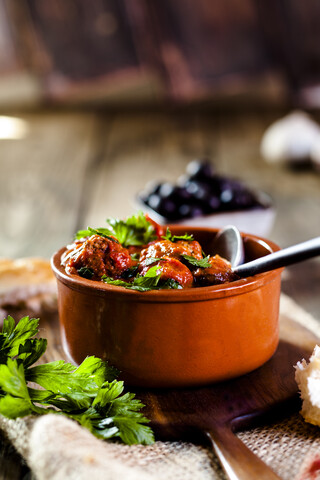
(202, 197)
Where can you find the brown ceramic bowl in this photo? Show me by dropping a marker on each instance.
(168, 338)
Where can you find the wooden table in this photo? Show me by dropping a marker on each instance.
(75, 169)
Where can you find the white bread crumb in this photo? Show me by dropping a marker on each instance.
(307, 376)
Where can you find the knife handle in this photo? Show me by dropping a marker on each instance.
(238, 462)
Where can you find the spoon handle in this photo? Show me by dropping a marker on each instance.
(282, 258)
(238, 462)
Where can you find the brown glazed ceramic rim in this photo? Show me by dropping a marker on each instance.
(237, 287)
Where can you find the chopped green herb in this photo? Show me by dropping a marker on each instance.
(135, 231)
(86, 272)
(202, 263)
(174, 238)
(151, 260)
(103, 232)
(89, 393)
(130, 272)
(150, 281)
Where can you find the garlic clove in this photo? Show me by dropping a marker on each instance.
(290, 139)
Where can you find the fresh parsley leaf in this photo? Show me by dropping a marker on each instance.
(31, 351)
(103, 232)
(140, 283)
(92, 231)
(150, 281)
(86, 272)
(130, 272)
(151, 260)
(12, 337)
(170, 283)
(174, 238)
(202, 263)
(89, 393)
(135, 231)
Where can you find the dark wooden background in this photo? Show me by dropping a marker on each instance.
(116, 51)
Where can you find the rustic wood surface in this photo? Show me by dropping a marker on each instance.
(75, 169)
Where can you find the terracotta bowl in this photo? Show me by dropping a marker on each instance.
(169, 338)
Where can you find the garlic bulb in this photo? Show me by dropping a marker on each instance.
(291, 139)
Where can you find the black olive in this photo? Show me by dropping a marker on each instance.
(154, 201)
(152, 187)
(166, 189)
(200, 169)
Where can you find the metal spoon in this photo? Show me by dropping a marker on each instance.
(282, 258)
(228, 244)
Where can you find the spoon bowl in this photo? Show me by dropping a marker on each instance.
(229, 245)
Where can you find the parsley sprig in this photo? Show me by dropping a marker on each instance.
(175, 238)
(150, 281)
(89, 393)
(202, 263)
(135, 231)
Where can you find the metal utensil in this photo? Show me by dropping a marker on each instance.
(229, 245)
(281, 258)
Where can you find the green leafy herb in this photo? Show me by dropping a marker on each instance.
(103, 232)
(202, 263)
(86, 272)
(89, 393)
(151, 260)
(135, 231)
(174, 238)
(150, 281)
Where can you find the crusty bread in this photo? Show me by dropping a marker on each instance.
(27, 281)
(308, 379)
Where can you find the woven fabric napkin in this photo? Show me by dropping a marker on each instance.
(56, 448)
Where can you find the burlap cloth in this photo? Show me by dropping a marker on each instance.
(56, 448)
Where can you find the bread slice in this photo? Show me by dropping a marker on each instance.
(307, 376)
(26, 281)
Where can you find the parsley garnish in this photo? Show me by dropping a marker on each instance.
(151, 260)
(103, 232)
(86, 272)
(175, 238)
(135, 231)
(89, 394)
(202, 263)
(150, 281)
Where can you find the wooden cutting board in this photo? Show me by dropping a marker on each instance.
(215, 412)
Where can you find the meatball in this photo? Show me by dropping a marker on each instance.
(104, 256)
(219, 272)
(171, 269)
(165, 248)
